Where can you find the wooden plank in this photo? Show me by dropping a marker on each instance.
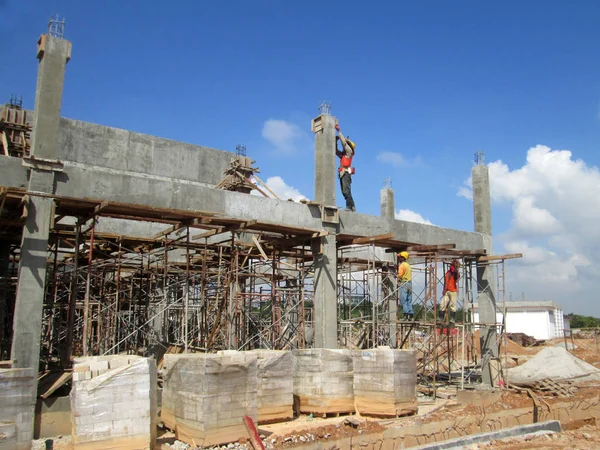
(425, 248)
(167, 231)
(369, 239)
(62, 379)
(4, 144)
(259, 247)
(500, 257)
(266, 187)
(209, 233)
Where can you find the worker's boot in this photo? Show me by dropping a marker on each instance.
(453, 317)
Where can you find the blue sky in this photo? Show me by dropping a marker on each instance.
(426, 83)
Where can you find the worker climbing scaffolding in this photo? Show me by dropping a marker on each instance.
(345, 170)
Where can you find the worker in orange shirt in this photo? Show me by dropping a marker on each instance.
(345, 170)
(405, 286)
(450, 294)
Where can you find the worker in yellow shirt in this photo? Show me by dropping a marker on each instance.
(405, 286)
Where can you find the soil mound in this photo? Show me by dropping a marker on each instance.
(553, 362)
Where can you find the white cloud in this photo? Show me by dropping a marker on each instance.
(284, 136)
(395, 159)
(411, 216)
(555, 203)
(528, 218)
(283, 190)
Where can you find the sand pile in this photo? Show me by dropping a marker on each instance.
(553, 362)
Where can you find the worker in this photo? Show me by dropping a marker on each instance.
(405, 289)
(450, 293)
(346, 170)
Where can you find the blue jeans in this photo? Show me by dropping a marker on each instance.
(406, 297)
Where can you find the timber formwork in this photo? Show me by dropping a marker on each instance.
(207, 282)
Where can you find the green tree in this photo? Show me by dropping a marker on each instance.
(578, 321)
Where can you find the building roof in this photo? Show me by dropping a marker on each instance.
(540, 304)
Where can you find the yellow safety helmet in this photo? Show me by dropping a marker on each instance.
(351, 144)
(403, 255)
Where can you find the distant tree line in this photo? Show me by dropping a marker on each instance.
(578, 321)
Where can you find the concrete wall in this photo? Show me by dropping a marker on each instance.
(12, 174)
(121, 150)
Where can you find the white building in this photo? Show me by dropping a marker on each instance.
(542, 320)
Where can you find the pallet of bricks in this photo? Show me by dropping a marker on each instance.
(275, 388)
(16, 408)
(385, 382)
(113, 403)
(323, 381)
(206, 396)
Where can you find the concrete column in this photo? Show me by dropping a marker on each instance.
(387, 203)
(391, 284)
(325, 161)
(325, 249)
(486, 298)
(53, 54)
(482, 206)
(325, 287)
(27, 322)
(4, 281)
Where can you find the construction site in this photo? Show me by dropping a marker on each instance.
(158, 294)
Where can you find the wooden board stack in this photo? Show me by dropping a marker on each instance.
(385, 382)
(206, 396)
(113, 403)
(323, 381)
(16, 408)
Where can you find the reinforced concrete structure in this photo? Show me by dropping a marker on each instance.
(113, 241)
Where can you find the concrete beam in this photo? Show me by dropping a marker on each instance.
(82, 182)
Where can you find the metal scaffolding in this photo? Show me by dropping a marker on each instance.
(208, 283)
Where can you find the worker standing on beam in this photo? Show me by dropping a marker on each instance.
(405, 289)
(346, 170)
(450, 294)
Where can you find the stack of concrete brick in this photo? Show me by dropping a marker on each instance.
(323, 381)
(275, 390)
(206, 396)
(16, 408)
(113, 403)
(385, 382)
